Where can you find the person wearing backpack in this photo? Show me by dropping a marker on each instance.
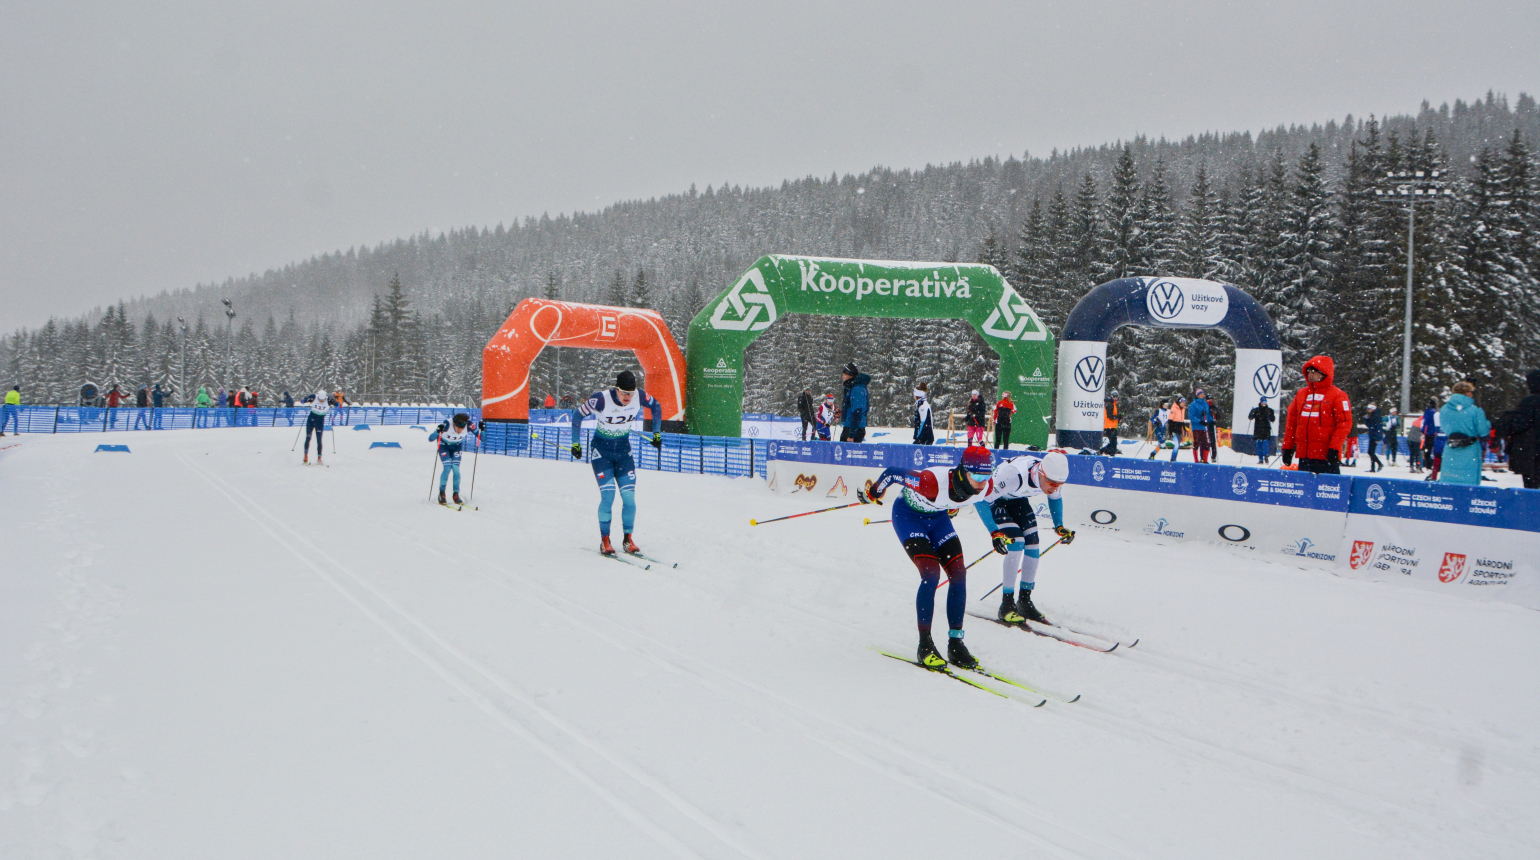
(1464, 425)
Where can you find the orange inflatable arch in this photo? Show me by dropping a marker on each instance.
(508, 356)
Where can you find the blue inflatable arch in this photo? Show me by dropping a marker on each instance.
(1163, 303)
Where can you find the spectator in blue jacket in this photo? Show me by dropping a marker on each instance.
(1464, 425)
(1432, 440)
(1198, 416)
(1374, 423)
(854, 406)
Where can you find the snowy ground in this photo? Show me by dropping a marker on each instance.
(207, 650)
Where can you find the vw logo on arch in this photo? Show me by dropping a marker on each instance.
(1089, 372)
(1166, 300)
(1265, 380)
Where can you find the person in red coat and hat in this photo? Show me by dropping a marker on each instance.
(1319, 420)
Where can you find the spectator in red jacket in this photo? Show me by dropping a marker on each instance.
(1319, 420)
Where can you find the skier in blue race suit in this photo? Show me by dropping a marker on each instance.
(451, 438)
(922, 519)
(613, 411)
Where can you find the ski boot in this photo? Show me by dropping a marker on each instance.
(441, 499)
(928, 656)
(1025, 608)
(630, 546)
(957, 653)
(604, 545)
(457, 499)
(306, 461)
(1008, 612)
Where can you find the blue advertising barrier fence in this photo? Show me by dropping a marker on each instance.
(1481, 541)
(704, 455)
(87, 419)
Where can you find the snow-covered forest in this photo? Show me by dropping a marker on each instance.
(1304, 217)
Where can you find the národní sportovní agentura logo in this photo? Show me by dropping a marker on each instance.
(1090, 373)
(1374, 497)
(753, 311)
(1098, 471)
(1452, 568)
(1363, 553)
(1239, 484)
(1266, 379)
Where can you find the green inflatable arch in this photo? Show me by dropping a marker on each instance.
(778, 285)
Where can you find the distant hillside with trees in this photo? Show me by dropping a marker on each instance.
(1299, 216)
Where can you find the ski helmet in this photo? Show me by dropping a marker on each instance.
(1055, 467)
(626, 381)
(977, 461)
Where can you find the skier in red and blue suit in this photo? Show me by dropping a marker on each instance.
(922, 519)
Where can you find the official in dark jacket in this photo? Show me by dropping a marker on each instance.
(1262, 417)
(1521, 428)
(805, 410)
(853, 407)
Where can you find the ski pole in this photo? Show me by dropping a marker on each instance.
(804, 514)
(1043, 553)
(432, 473)
(293, 447)
(475, 459)
(869, 521)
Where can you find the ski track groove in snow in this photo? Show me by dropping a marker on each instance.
(485, 702)
(604, 628)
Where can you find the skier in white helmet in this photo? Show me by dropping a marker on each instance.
(1007, 512)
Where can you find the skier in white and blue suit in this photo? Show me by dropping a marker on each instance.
(613, 411)
(451, 439)
(1007, 512)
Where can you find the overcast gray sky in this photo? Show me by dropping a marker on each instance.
(158, 145)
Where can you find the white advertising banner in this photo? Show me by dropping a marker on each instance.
(1479, 542)
(1083, 385)
(1258, 374)
(1300, 536)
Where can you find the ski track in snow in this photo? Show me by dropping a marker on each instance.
(729, 707)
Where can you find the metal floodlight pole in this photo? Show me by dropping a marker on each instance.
(229, 342)
(181, 385)
(1411, 184)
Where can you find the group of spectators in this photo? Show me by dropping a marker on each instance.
(1174, 419)
(819, 417)
(820, 414)
(1450, 442)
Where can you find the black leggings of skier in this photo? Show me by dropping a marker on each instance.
(314, 423)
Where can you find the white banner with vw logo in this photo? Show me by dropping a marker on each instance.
(1186, 301)
(1258, 374)
(1083, 389)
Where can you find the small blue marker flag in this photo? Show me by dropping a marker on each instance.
(373, 445)
(123, 448)
(360, 426)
